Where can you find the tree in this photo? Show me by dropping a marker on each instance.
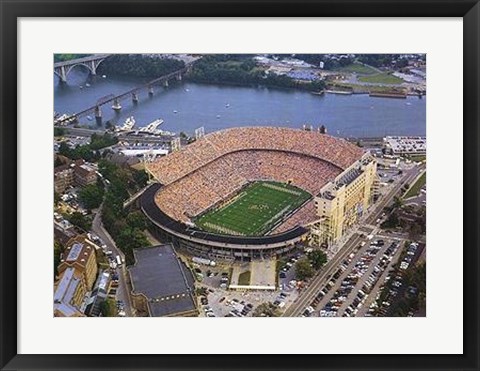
(392, 221)
(80, 221)
(303, 269)
(57, 251)
(140, 177)
(91, 196)
(317, 258)
(397, 202)
(65, 150)
(266, 310)
(109, 125)
(56, 198)
(58, 161)
(59, 132)
(137, 220)
(108, 308)
(415, 231)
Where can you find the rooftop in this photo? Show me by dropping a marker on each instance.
(75, 251)
(166, 282)
(62, 298)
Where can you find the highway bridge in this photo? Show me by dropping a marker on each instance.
(62, 69)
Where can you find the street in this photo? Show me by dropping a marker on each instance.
(122, 290)
(324, 276)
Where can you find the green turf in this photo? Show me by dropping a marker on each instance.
(244, 278)
(254, 210)
(415, 189)
(381, 78)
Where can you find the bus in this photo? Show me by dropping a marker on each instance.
(119, 261)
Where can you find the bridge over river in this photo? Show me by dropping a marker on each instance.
(62, 69)
(132, 94)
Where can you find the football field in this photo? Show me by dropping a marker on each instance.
(255, 210)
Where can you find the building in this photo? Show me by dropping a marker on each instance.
(84, 175)
(69, 294)
(343, 201)
(62, 178)
(75, 173)
(162, 285)
(406, 145)
(62, 234)
(99, 295)
(80, 255)
(213, 170)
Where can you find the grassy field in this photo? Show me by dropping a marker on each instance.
(255, 210)
(415, 189)
(357, 68)
(244, 278)
(381, 78)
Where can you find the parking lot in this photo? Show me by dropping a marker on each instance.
(222, 303)
(392, 285)
(345, 294)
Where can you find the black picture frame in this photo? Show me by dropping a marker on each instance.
(469, 10)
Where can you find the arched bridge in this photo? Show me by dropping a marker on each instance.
(62, 69)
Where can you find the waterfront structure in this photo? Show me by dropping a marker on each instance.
(162, 285)
(213, 170)
(80, 255)
(343, 201)
(406, 145)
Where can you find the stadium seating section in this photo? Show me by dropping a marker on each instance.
(211, 170)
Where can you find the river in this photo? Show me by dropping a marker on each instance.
(187, 106)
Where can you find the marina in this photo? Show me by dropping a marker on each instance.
(128, 124)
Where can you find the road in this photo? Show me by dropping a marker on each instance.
(122, 290)
(319, 281)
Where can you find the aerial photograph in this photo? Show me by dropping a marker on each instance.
(239, 185)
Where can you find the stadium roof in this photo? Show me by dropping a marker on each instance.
(164, 280)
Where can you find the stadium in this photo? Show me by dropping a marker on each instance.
(253, 192)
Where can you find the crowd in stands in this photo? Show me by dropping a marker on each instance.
(302, 216)
(220, 179)
(176, 165)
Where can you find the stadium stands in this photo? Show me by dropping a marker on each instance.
(211, 170)
(211, 184)
(336, 151)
